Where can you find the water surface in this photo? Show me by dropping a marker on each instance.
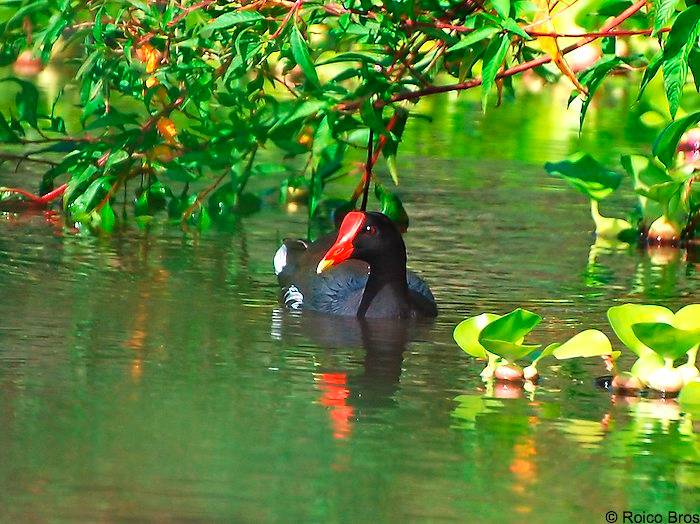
(151, 375)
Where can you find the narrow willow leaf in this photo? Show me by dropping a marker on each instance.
(694, 65)
(502, 7)
(650, 72)
(493, 59)
(512, 26)
(681, 40)
(675, 71)
(593, 77)
(230, 19)
(300, 51)
(663, 10)
(390, 204)
(475, 36)
(107, 218)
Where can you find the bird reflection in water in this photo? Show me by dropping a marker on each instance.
(347, 394)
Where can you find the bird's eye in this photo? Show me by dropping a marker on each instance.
(370, 230)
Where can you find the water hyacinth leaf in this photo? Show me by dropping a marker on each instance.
(511, 327)
(688, 318)
(690, 395)
(300, 52)
(508, 350)
(665, 339)
(622, 318)
(588, 343)
(466, 334)
(584, 173)
(666, 142)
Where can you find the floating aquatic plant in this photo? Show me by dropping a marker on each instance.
(659, 338)
(500, 340)
(592, 179)
(665, 182)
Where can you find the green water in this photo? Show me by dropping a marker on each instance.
(151, 375)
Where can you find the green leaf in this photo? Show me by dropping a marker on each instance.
(502, 7)
(107, 218)
(593, 77)
(390, 204)
(663, 10)
(512, 327)
(7, 134)
(681, 40)
(688, 318)
(504, 336)
(690, 395)
(494, 56)
(466, 334)
(474, 37)
(27, 100)
(608, 45)
(508, 350)
(666, 143)
(650, 72)
(230, 19)
(665, 339)
(300, 52)
(622, 318)
(512, 26)
(589, 343)
(585, 174)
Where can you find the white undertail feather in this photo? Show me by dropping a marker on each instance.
(280, 260)
(293, 298)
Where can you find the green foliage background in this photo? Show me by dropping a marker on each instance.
(184, 96)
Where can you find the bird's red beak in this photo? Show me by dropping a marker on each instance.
(342, 248)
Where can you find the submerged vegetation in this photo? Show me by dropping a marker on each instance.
(182, 104)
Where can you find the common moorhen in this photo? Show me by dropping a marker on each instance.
(359, 272)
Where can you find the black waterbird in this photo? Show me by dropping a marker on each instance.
(359, 272)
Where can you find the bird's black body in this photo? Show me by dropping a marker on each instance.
(370, 282)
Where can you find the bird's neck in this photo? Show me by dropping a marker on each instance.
(386, 291)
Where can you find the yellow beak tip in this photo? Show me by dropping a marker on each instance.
(323, 265)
